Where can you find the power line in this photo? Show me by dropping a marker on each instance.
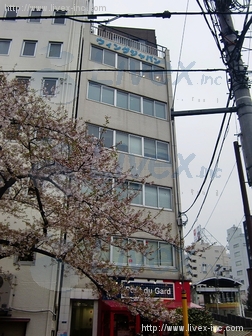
(180, 54)
(116, 70)
(220, 195)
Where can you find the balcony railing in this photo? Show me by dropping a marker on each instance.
(158, 51)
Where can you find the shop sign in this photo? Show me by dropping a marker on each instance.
(158, 290)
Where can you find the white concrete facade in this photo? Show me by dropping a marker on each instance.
(239, 257)
(207, 261)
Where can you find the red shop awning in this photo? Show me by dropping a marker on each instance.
(114, 305)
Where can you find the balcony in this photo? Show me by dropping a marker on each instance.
(142, 46)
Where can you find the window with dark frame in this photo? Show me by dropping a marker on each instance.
(49, 86)
(11, 12)
(35, 16)
(59, 17)
(54, 50)
(5, 46)
(29, 48)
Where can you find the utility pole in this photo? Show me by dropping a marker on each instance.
(238, 76)
(240, 88)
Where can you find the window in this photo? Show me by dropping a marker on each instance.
(239, 272)
(122, 99)
(54, 49)
(156, 149)
(204, 268)
(107, 95)
(103, 56)
(59, 17)
(238, 263)
(4, 46)
(129, 143)
(236, 245)
(135, 145)
(136, 188)
(237, 254)
(135, 103)
(34, 15)
(24, 80)
(49, 86)
(26, 259)
(158, 253)
(94, 91)
(134, 66)
(11, 12)
(122, 62)
(127, 100)
(29, 48)
(150, 195)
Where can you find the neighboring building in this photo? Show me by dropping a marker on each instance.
(207, 260)
(138, 105)
(220, 295)
(239, 258)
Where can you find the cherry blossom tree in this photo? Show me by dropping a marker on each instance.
(63, 194)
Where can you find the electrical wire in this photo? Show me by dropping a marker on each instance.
(208, 171)
(220, 195)
(180, 54)
(224, 249)
(113, 70)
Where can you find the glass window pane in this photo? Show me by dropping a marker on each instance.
(122, 62)
(158, 76)
(135, 258)
(96, 54)
(136, 188)
(29, 48)
(12, 12)
(35, 13)
(4, 47)
(135, 145)
(135, 103)
(164, 198)
(152, 253)
(135, 66)
(122, 141)
(107, 137)
(49, 86)
(119, 255)
(146, 66)
(122, 99)
(160, 110)
(162, 151)
(149, 148)
(148, 107)
(108, 95)
(59, 20)
(94, 91)
(54, 49)
(109, 57)
(93, 130)
(151, 196)
(165, 254)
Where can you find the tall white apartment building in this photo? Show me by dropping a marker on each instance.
(239, 257)
(206, 261)
(137, 99)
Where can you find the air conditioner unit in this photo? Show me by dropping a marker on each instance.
(5, 291)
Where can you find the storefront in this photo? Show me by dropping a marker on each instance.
(116, 320)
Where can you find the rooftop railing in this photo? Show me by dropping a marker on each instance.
(158, 50)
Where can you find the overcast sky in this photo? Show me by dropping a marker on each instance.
(196, 135)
